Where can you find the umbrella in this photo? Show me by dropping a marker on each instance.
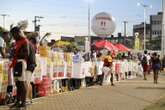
(106, 44)
(122, 47)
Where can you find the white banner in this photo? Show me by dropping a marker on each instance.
(78, 70)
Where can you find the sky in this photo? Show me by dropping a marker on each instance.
(70, 17)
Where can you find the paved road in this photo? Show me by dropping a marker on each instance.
(126, 95)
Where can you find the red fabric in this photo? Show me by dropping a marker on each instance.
(145, 68)
(106, 44)
(122, 47)
(18, 45)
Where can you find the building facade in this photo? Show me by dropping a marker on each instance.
(156, 25)
(140, 29)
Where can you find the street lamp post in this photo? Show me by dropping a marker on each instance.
(145, 9)
(163, 28)
(89, 26)
(88, 38)
(144, 27)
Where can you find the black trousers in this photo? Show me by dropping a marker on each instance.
(89, 81)
(21, 91)
(99, 79)
(111, 79)
(74, 84)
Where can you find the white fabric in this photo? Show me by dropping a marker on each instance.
(123, 70)
(125, 66)
(130, 66)
(106, 71)
(78, 70)
(140, 70)
(113, 66)
(86, 68)
(99, 67)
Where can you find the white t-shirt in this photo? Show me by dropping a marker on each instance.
(148, 58)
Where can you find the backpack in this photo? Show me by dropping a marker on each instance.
(144, 60)
(31, 59)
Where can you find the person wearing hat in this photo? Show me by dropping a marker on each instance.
(19, 66)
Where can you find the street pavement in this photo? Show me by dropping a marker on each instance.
(135, 94)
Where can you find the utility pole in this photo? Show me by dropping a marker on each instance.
(88, 39)
(36, 26)
(163, 29)
(4, 16)
(125, 30)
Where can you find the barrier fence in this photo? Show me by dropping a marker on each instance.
(51, 71)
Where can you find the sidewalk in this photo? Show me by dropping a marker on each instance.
(135, 94)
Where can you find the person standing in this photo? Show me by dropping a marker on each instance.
(99, 73)
(108, 59)
(144, 63)
(156, 65)
(21, 63)
(106, 72)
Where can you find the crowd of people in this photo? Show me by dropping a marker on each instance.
(22, 51)
(147, 63)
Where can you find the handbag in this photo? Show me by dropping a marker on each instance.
(17, 70)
